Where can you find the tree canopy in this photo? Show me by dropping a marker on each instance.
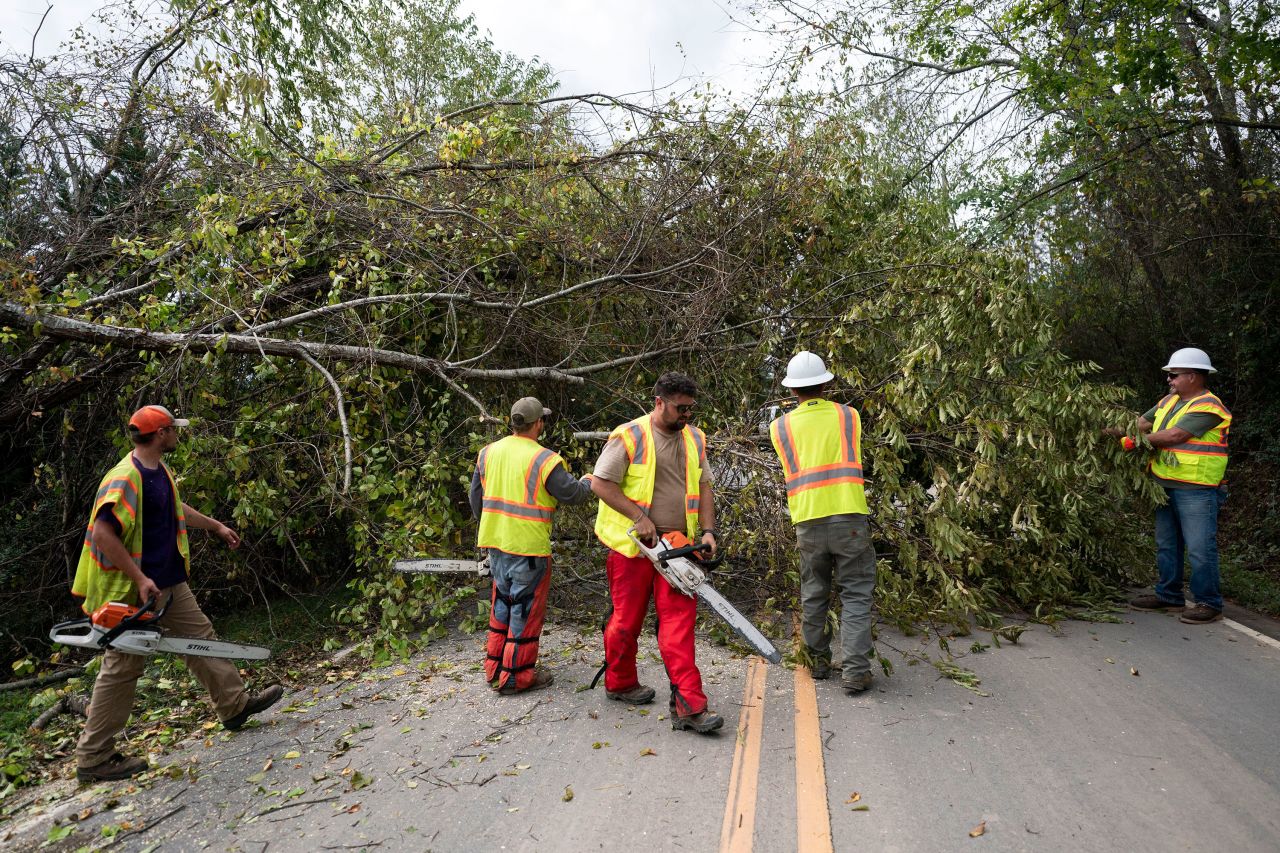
(342, 237)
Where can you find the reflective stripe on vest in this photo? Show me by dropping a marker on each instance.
(818, 445)
(1200, 461)
(637, 483)
(97, 581)
(516, 509)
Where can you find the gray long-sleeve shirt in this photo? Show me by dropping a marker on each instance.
(560, 485)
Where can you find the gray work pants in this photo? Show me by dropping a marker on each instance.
(838, 550)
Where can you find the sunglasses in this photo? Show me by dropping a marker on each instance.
(681, 408)
(1175, 375)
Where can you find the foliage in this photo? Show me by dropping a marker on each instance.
(342, 307)
(1133, 143)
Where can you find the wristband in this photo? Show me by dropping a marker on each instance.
(1127, 443)
(704, 531)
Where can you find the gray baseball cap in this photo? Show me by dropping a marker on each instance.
(527, 410)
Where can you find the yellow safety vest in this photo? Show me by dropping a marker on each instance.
(1202, 460)
(516, 509)
(97, 581)
(637, 437)
(818, 443)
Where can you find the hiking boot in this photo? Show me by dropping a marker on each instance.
(541, 679)
(820, 670)
(1201, 614)
(638, 695)
(857, 683)
(702, 723)
(1154, 603)
(114, 768)
(260, 701)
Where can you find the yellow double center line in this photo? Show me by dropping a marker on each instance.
(813, 821)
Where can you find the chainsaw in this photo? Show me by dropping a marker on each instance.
(134, 631)
(676, 559)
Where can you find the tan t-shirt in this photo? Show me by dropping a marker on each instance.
(667, 511)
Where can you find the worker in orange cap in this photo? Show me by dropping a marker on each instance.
(135, 551)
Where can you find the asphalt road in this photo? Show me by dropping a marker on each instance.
(1069, 750)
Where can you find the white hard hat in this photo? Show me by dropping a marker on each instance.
(1191, 358)
(806, 369)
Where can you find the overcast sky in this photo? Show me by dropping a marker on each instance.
(613, 46)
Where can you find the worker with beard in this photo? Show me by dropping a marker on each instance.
(653, 475)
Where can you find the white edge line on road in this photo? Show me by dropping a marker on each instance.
(1249, 632)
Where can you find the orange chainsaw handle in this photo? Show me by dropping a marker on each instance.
(128, 617)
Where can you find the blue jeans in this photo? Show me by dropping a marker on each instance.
(1188, 526)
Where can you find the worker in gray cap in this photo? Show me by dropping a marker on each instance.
(515, 490)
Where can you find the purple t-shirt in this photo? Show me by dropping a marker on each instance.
(161, 560)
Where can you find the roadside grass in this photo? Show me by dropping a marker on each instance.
(1256, 590)
(170, 704)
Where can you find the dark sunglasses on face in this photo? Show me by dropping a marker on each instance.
(1175, 375)
(681, 408)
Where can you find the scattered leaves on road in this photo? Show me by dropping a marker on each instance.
(647, 751)
(57, 833)
(1109, 660)
(980, 829)
(293, 753)
(568, 793)
(854, 797)
(599, 744)
(1133, 671)
(358, 780)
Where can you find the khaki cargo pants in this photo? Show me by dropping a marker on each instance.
(113, 692)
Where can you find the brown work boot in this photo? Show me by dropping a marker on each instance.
(702, 723)
(638, 695)
(541, 678)
(260, 701)
(1154, 603)
(857, 683)
(1201, 614)
(114, 768)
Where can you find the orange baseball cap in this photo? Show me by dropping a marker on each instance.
(148, 419)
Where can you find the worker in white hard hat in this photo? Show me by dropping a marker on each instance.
(1187, 434)
(818, 443)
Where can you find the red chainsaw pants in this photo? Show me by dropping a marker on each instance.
(632, 580)
(518, 606)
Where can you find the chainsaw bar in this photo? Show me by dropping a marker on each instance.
(82, 633)
(739, 623)
(685, 576)
(480, 568)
